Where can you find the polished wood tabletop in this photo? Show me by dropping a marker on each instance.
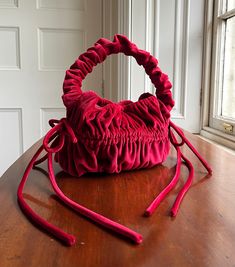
(202, 234)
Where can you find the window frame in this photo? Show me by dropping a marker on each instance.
(212, 124)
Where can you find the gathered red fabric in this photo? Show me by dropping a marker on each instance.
(99, 135)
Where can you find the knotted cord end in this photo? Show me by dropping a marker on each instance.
(56, 135)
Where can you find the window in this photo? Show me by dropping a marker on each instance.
(218, 86)
(222, 100)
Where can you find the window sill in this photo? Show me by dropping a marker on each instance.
(219, 137)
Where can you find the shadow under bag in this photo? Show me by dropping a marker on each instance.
(98, 135)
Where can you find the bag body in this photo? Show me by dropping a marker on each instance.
(99, 135)
(115, 137)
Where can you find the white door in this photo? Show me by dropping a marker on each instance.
(173, 32)
(39, 40)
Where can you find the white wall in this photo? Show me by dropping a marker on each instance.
(172, 30)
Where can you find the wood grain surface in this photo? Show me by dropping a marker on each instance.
(203, 233)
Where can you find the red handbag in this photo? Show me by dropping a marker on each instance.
(99, 135)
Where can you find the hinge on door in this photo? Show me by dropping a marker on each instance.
(102, 88)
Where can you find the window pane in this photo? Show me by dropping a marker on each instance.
(230, 4)
(228, 95)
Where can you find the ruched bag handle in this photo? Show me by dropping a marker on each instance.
(98, 53)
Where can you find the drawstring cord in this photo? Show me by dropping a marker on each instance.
(156, 202)
(56, 136)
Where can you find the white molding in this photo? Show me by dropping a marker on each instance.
(40, 5)
(177, 51)
(44, 111)
(21, 137)
(106, 30)
(217, 65)
(176, 115)
(12, 4)
(219, 137)
(156, 28)
(149, 41)
(20, 124)
(124, 63)
(185, 67)
(109, 28)
(16, 30)
(116, 69)
(14, 135)
(219, 145)
(180, 78)
(156, 32)
(41, 31)
(206, 64)
(227, 14)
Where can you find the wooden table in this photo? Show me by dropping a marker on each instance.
(203, 233)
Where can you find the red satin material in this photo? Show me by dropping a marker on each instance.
(98, 135)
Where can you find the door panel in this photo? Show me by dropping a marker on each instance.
(39, 40)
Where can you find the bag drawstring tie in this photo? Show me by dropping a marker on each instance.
(156, 202)
(56, 136)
